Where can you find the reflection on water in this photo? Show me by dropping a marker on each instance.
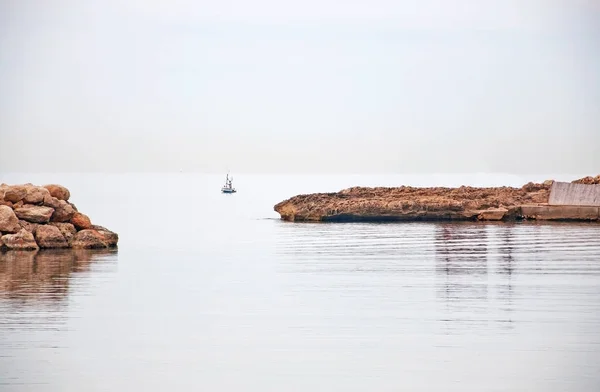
(461, 260)
(505, 269)
(284, 306)
(488, 272)
(37, 290)
(44, 274)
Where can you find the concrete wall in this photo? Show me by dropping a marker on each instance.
(569, 194)
(559, 213)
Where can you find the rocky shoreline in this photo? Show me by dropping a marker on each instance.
(407, 203)
(42, 217)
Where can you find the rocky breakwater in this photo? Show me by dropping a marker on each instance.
(34, 217)
(408, 203)
(589, 180)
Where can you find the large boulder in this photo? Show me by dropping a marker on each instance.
(48, 236)
(110, 238)
(35, 194)
(63, 213)
(30, 227)
(34, 214)
(88, 239)
(22, 240)
(81, 221)
(58, 191)
(66, 229)
(492, 214)
(9, 223)
(50, 201)
(15, 193)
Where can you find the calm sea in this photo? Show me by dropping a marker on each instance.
(212, 292)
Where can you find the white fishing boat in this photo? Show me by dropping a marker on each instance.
(228, 187)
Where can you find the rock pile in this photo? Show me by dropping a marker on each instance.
(34, 217)
(435, 203)
(589, 180)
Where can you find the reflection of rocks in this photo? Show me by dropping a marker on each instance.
(463, 252)
(506, 269)
(43, 274)
(462, 249)
(506, 263)
(461, 265)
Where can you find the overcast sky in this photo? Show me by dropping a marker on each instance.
(305, 86)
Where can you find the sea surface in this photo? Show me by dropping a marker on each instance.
(212, 292)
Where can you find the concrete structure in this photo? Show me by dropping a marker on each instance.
(570, 194)
(561, 213)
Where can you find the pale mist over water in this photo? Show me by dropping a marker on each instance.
(213, 292)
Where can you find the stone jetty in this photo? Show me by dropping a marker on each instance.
(578, 201)
(38, 217)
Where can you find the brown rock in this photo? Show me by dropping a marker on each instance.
(110, 238)
(30, 227)
(66, 229)
(492, 214)
(88, 239)
(5, 202)
(533, 187)
(48, 236)
(15, 193)
(81, 221)
(410, 203)
(50, 201)
(18, 204)
(589, 180)
(63, 213)
(34, 214)
(35, 194)
(22, 240)
(9, 223)
(58, 191)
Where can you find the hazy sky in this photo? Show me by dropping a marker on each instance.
(304, 86)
